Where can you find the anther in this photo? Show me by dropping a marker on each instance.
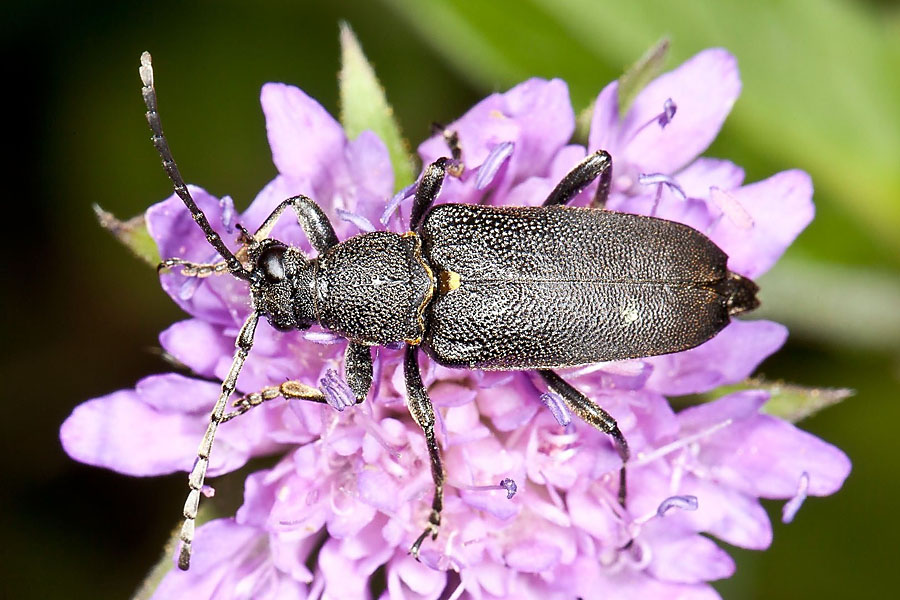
(508, 485)
(337, 392)
(662, 119)
(557, 407)
(688, 503)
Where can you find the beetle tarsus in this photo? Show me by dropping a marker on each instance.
(594, 416)
(423, 414)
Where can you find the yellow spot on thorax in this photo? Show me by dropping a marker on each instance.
(449, 281)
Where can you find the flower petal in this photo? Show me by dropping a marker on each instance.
(770, 456)
(305, 139)
(604, 134)
(124, 433)
(218, 299)
(198, 344)
(685, 557)
(779, 208)
(535, 116)
(704, 88)
(729, 357)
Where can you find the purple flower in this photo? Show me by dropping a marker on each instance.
(352, 488)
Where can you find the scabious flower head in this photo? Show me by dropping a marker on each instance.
(530, 505)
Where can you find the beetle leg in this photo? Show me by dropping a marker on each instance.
(596, 166)
(428, 189)
(593, 415)
(313, 221)
(289, 390)
(423, 413)
(358, 369)
(451, 138)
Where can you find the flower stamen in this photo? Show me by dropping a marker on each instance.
(321, 337)
(789, 511)
(686, 502)
(337, 392)
(662, 119)
(359, 221)
(498, 156)
(557, 406)
(392, 205)
(507, 484)
(643, 459)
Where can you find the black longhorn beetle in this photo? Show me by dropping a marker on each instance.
(475, 287)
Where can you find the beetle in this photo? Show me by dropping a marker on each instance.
(474, 287)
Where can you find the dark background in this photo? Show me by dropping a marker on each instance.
(81, 316)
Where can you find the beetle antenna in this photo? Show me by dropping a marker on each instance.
(198, 473)
(162, 146)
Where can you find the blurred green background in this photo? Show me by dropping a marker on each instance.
(81, 316)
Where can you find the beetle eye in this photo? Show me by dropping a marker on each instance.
(271, 263)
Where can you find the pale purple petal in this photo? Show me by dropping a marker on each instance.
(626, 584)
(369, 165)
(685, 557)
(494, 502)
(536, 116)
(767, 457)
(779, 207)
(198, 344)
(730, 515)
(704, 173)
(218, 563)
(219, 299)
(729, 357)
(605, 122)
(411, 580)
(377, 489)
(532, 556)
(733, 408)
(155, 429)
(341, 580)
(704, 88)
(306, 141)
(122, 433)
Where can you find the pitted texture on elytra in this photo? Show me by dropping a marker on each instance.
(372, 288)
(560, 286)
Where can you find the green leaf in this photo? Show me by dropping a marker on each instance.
(788, 401)
(643, 71)
(132, 233)
(365, 107)
(583, 125)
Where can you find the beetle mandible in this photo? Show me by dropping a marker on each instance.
(474, 287)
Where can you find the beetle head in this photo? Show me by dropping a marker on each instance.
(282, 284)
